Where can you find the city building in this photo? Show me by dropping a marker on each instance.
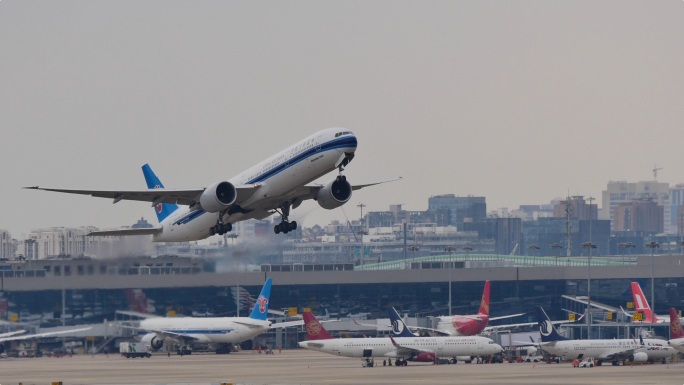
(626, 192)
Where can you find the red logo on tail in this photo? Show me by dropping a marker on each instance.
(262, 301)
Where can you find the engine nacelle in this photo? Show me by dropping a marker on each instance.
(334, 194)
(219, 196)
(424, 357)
(639, 357)
(153, 341)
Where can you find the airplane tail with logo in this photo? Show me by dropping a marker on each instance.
(314, 329)
(641, 304)
(546, 329)
(260, 310)
(162, 210)
(484, 304)
(399, 328)
(675, 325)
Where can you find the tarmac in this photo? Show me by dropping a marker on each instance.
(308, 367)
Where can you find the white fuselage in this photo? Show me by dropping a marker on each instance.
(383, 347)
(677, 343)
(209, 330)
(277, 176)
(605, 349)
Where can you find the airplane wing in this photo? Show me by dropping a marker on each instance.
(41, 335)
(155, 196)
(506, 316)
(124, 232)
(406, 351)
(303, 193)
(136, 314)
(14, 333)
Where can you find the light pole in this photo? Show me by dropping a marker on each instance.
(361, 206)
(652, 245)
(559, 247)
(467, 249)
(589, 246)
(450, 249)
(626, 245)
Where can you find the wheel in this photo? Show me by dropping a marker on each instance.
(276, 229)
(293, 225)
(212, 230)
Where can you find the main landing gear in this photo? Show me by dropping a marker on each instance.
(220, 228)
(284, 226)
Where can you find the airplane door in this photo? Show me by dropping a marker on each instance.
(367, 353)
(336, 347)
(440, 346)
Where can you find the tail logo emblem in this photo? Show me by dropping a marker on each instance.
(159, 206)
(397, 327)
(313, 328)
(262, 301)
(545, 328)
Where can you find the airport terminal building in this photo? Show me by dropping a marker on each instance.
(93, 290)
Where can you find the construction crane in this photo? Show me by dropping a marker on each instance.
(655, 172)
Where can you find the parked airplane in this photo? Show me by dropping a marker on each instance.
(19, 335)
(221, 331)
(641, 306)
(615, 351)
(676, 332)
(274, 185)
(469, 325)
(410, 348)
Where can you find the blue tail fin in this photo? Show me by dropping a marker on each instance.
(546, 329)
(260, 310)
(399, 328)
(163, 210)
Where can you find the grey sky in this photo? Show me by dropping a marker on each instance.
(517, 101)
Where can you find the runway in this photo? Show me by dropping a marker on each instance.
(306, 367)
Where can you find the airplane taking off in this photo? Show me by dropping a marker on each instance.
(222, 331)
(275, 185)
(676, 332)
(615, 350)
(408, 348)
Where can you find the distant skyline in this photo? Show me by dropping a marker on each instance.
(520, 102)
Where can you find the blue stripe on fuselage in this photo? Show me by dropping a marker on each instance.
(342, 142)
(199, 331)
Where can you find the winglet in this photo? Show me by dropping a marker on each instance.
(260, 310)
(162, 210)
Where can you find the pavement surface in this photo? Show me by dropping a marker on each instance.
(307, 367)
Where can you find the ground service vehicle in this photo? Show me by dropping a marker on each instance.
(134, 350)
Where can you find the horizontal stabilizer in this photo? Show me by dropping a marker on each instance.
(125, 232)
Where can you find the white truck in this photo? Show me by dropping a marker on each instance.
(134, 350)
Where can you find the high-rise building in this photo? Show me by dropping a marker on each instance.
(7, 245)
(451, 210)
(639, 215)
(620, 192)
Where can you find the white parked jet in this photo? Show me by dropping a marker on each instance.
(274, 185)
(615, 350)
(424, 349)
(210, 330)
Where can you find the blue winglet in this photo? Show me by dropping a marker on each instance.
(260, 310)
(399, 328)
(162, 210)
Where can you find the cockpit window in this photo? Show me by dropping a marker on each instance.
(343, 133)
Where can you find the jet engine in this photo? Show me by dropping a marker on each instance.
(424, 357)
(639, 357)
(217, 197)
(335, 193)
(153, 341)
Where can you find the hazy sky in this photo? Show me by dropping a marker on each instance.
(518, 101)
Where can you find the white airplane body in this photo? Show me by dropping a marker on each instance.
(616, 350)
(213, 330)
(274, 185)
(676, 332)
(425, 349)
(405, 346)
